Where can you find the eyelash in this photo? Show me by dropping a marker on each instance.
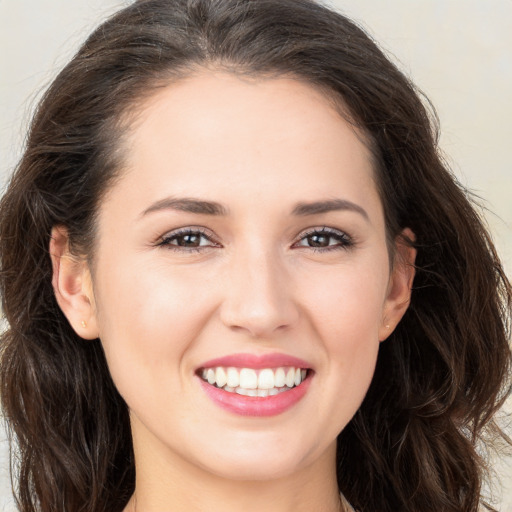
(167, 239)
(344, 240)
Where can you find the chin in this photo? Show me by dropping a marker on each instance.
(262, 460)
(257, 469)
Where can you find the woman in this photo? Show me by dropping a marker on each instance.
(237, 276)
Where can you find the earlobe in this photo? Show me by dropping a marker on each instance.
(72, 285)
(400, 283)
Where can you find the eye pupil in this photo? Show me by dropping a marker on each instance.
(317, 240)
(189, 241)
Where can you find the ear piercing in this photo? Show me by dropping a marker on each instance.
(83, 323)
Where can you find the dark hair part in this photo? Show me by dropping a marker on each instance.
(441, 376)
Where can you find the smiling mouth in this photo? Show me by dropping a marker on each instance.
(255, 383)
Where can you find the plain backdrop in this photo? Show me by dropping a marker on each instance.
(457, 51)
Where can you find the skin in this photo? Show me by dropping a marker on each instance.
(257, 285)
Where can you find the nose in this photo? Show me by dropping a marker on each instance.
(258, 296)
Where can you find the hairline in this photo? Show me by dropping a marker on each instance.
(122, 125)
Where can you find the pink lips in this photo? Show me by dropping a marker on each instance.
(256, 406)
(257, 362)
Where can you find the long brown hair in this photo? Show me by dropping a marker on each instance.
(440, 377)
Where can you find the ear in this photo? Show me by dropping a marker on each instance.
(72, 285)
(400, 284)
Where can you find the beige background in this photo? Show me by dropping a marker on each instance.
(457, 51)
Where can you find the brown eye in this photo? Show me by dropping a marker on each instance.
(318, 240)
(188, 239)
(325, 239)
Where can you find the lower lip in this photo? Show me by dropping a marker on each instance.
(256, 406)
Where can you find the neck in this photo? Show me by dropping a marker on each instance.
(180, 487)
(272, 501)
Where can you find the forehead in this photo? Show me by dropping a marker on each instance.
(233, 136)
(206, 101)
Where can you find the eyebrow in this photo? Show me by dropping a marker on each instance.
(202, 207)
(330, 205)
(188, 205)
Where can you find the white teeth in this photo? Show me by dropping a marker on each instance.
(266, 379)
(297, 377)
(257, 392)
(248, 378)
(233, 378)
(220, 377)
(279, 378)
(251, 382)
(290, 377)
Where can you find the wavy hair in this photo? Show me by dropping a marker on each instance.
(414, 443)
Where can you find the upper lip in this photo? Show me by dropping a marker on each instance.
(274, 360)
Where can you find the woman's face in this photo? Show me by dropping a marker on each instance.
(245, 244)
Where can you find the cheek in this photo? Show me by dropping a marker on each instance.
(148, 322)
(348, 302)
(347, 308)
